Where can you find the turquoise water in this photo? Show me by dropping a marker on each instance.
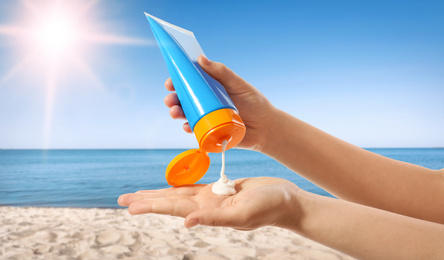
(95, 178)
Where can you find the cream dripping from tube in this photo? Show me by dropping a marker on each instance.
(224, 186)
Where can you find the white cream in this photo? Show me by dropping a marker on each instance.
(224, 186)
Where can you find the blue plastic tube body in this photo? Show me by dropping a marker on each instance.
(198, 93)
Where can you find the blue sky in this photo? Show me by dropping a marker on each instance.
(370, 73)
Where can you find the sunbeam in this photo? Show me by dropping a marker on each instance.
(88, 72)
(51, 88)
(12, 30)
(16, 69)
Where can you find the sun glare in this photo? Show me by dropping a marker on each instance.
(57, 35)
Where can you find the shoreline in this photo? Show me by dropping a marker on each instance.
(108, 233)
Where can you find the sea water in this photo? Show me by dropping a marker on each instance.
(96, 178)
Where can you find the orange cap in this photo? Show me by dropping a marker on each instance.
(187, 167)
(211, 130)
(218, 126)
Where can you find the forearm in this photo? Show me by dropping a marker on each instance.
(367, 233)
(355, 174)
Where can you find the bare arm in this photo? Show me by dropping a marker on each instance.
(355, 174)
(368, 233)
(343, 169)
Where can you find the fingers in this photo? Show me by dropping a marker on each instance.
(169, 85)
(171, 100)
(123, 200)
(230, 80)
(126, 199)
(173, 207)
(187, 128)
(184, 192)
(217, 217)
(176, 112)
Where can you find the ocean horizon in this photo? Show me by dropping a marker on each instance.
(95, 178)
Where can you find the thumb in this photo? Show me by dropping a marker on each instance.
(232, 82)
(218, 217)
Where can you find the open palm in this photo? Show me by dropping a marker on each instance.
(258, 202)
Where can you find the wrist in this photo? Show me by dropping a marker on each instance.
(295, 209)
(272, 129)
(301, 212)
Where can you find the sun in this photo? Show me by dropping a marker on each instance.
(56, 29)
(56, 35)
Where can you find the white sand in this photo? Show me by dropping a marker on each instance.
(68, 233)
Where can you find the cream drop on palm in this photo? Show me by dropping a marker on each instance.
(224, 186)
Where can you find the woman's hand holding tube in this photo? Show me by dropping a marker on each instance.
(254, 108)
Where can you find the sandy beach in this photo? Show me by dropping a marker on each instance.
(76, 233)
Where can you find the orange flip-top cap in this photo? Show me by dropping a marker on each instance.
(218, 126)
(187, 167)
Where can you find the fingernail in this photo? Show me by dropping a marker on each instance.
(206, 60)
(192, 223)
(120, 201)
